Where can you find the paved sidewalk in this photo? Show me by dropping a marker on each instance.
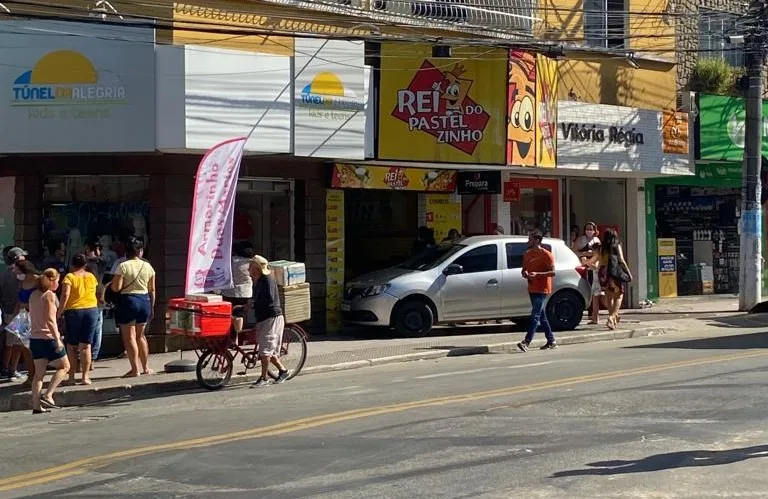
(324, 355)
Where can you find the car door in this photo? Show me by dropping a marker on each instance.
(514, 289)
(474, 293)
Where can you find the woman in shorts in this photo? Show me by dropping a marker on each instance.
(135, 281)
(45, 341)
(80, 309)
(270, 321)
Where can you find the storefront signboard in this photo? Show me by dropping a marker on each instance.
(330, 98)
(72, 87)
(613, 138)
(346, 176)
(449, 109)
(479, 183)
(721, 128)
(206, 95)
(334, 259)
(443, 214)
(667, 253)
(532, 106)
(675, 132)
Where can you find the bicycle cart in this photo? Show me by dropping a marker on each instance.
(209, 325)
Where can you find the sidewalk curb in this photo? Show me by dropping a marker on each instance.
(95, 395)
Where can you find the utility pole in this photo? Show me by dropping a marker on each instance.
(750, 270)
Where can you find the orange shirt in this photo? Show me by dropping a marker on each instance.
(539, 260)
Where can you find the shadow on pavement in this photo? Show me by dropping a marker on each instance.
(738, 320)
(671, 460)
(733, 342)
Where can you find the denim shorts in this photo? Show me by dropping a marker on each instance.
(45, 349)
(132, 309)
(81, 325)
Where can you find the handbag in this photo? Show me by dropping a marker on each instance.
(111, 296)
(616, 269)
(21, 327)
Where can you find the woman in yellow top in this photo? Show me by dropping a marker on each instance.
(135, 281)
(80, 309)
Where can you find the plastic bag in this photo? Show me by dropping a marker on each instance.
(20, 327)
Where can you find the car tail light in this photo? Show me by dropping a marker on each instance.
(583, 271)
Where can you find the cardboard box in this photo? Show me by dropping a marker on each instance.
(288, 273)
(296, 302)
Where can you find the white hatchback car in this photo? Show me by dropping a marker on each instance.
(478, 278)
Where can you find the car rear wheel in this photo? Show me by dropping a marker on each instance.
(565, 310)
(413, 317)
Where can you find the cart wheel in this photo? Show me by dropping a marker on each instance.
(214, 369)
(293, 350)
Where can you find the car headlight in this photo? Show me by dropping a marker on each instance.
(374, 290)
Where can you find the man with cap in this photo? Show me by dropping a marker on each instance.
(9, 301)
(270, 321)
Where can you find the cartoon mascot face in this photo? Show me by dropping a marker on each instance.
(454, 89)
(522, 98)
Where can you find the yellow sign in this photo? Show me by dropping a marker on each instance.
(447, 109)
(667, 252)
(334, 259)
(394, 178)
(443, 214)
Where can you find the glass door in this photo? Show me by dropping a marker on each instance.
(535, 205)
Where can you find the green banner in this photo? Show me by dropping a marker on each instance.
(721, 121)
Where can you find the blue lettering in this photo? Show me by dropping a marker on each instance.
(17, 93)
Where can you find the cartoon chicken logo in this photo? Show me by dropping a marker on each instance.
(522, 97)
(453, 89)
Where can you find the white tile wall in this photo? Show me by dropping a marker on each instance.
(646, 158)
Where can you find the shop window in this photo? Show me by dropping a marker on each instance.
(482, 259)
(107, 209)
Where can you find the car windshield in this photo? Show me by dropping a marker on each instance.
(432, 257)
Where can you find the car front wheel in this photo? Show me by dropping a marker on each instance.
(413, 317)
(565, 310)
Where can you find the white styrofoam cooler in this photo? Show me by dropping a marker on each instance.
(288, 273)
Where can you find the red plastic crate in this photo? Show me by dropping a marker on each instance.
(199, 319)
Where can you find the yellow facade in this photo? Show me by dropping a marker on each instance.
(602, 79)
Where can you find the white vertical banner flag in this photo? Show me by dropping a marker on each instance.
(209, 262)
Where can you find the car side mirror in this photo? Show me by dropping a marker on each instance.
(453, 269)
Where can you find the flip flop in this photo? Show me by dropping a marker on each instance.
(47, 403)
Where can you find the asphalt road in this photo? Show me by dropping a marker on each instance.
(665, 417)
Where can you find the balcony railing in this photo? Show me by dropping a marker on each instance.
(508, 18)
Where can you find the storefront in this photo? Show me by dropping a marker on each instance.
(697, 216)
(606, 156)
(693, 221)
(132, 159)
(373, 214)
(478, 191)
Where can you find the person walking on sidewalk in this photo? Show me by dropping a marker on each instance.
(270, 321)
(45, 341)
(538, 269)
(614, 273)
